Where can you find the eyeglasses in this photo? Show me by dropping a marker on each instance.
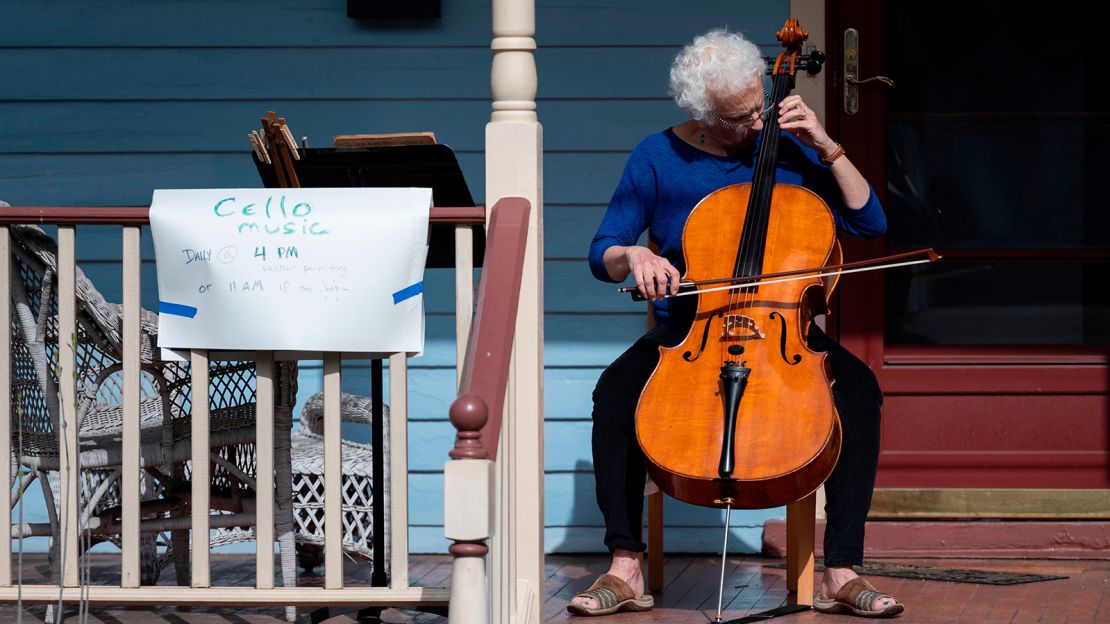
(737, 126)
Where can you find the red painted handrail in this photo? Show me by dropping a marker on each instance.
(476, 413)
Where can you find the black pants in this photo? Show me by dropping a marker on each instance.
(619, 463)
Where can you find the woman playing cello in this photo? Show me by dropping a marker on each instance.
(717, 80)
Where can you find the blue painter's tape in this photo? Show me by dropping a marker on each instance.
(408, 292)
(176, 309)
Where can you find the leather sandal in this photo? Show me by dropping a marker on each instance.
(613, 596)
(856, 597)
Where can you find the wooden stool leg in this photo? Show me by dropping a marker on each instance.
(655, 541)
(800, 528)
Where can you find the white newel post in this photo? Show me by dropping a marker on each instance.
(514, 167)
(468, 512)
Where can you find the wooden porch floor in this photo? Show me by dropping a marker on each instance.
(752, 585)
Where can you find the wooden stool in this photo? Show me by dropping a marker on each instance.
(800, 527)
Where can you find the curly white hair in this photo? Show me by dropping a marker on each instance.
(718, 62)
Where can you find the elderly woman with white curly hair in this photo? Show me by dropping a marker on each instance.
(718, 81)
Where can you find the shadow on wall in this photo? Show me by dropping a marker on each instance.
(582, 529)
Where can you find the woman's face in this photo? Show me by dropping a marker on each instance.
(737, 117)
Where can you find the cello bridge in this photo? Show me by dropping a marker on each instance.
(740, 327)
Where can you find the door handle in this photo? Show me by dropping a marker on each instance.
(883, 79)
(851, 73)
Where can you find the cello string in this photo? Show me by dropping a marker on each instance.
(727, 338)
(765, 175)
(773, 135)
(763, 186)
(747, 247)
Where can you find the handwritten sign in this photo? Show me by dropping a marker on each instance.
(291, 269)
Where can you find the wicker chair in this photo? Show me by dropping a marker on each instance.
(164, 417)
(358, 482)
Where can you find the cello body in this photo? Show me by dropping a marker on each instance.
(785, 436)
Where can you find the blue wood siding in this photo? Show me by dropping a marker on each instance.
(101, 104)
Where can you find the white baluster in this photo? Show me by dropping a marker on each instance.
(132, 295)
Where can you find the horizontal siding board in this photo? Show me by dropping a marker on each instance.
(431, 392)
(426, 499)
(244, 23)
(431, 441)
(174, 74)
(587, 178)
(117, 179)
(569, 501)
(568, 230)
(567, 443)
(64, 127)
(428, 540)
(568, 396)
(249, 23)
(585, 340)
(567, 402)
(130, 179)
(249, 73)
(222, 126)
(570, 287)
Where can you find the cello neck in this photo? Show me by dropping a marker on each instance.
(749, 257)
(781, 86)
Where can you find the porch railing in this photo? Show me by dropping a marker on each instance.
(483, 371)
(476, 413)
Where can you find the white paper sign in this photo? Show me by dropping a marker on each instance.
(291, 269)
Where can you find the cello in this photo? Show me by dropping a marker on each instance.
(740, 414)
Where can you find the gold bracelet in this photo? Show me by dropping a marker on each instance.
(837, 153)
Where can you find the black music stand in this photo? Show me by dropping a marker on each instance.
(427, 166)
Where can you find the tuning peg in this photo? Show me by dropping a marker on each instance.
(814, 61)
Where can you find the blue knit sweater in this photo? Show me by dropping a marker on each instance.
(665, 178)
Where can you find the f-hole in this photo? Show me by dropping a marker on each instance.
(690, 357)
(782, 340)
